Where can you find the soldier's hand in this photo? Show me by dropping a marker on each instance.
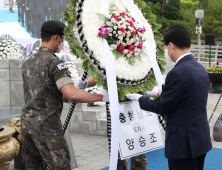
(27, 8)
(23, 4)
(49, 8)
(82, 84)
(105, 96)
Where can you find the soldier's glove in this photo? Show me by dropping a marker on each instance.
(105, 96)
(134, 97)
(153, 92)
(82, 84)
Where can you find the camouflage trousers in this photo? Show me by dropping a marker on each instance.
(137, 163)
(38, 151)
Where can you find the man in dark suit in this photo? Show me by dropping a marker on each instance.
(183, 103)
(27, 16)
(23, 12)
(19, 9)
(37, 7)
(29, 4)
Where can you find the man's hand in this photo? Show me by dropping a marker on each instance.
(134, 97)
(156, 91)
(82, 84)
(27, 8)
(105, 96)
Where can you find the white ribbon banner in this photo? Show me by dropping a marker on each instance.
(158, 75)
(113, 95)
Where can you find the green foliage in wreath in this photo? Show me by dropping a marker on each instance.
(77, 50)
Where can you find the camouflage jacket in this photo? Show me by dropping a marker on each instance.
(43, 76)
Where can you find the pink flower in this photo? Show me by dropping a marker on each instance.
(128, 42)
(120, 48)
(115, 17)
(123, 20)
(123, 44)
(143, 30)
(137, 39)
(139, 34)
(130, 22)
(103, 31)
(128, 55)
(131, 52)
(122, 30)
(132, 48)
(122, 14)
(140, 45)
(134, 32)
(129, 34)
(120, 37)
(132, 19)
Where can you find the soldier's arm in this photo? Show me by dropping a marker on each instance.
(71, 93)
(58, 71)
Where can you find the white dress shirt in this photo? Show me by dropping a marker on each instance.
(182, 57)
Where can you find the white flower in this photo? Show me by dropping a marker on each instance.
(111, 49)
(120, 33)
(109, 29)
(119, 26)
(114, 46)
(110, 34)
(127, 39)
(125, 51)
(114, 20)
(114, 32)
(108, 16)
(109, 24)
(120, 41)
(136, 54)
(124, 34)
(116, 35)
(115, 27)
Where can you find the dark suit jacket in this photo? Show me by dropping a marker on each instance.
(37, 7)
(29, 3)
(183, 102)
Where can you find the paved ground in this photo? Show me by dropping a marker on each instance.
(92, 151)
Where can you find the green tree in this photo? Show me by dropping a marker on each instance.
(212, 18)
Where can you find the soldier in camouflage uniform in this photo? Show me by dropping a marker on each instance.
(47, 83)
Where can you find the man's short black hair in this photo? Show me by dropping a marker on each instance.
(178, 35)
(47, 37)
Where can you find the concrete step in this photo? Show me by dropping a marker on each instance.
(100, 132)
(91, 115)
(102, 124)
